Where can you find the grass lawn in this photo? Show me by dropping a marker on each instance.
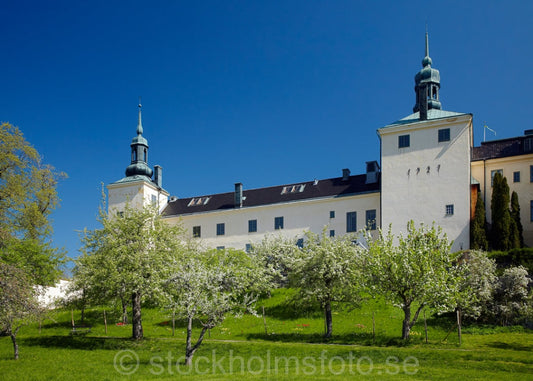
(291, 348)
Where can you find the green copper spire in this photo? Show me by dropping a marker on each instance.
(427, 59)
(427, 85)
(139, 124)
(139, 153)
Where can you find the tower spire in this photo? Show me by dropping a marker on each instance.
(427, 85)
(139, 124)
(139, 152)
(427, 43)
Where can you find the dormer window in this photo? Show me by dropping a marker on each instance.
(293, 189)
(196, 201)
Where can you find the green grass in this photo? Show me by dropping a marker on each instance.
(293, 347)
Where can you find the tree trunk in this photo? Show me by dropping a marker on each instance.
(406, 326)
(189, 349)
(83, 303)
(136, 321)
(407, 322)
(15, 345)
(459, 325)
(329, 320)
(124, 311)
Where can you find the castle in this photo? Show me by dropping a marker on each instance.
(429, 171)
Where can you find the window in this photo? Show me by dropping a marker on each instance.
(199, 201)
(531, 173)
(371, 219)
(300, 243)
(221, 229)
(332, 214)
(196, 231)
(351, 222)
(154, 199)
(252, 226)
(332, 233)
(248, 247)
(444, 135)
(278, 223)
(403, 141)
(449, 210)
(516, 177)
(531, 211)
(221, 247)
(492, 173)
(299, 188)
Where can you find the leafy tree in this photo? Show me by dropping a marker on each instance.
(501, 217)
(327, 270)
(517, 237)
(18, 302)
(477, 284)
(275, 253)
(207, 285)
(128, 256)
(478, 228)
(27, 197)
(417, 272)
(511, 296)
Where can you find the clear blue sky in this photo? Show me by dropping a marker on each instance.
(258, 92)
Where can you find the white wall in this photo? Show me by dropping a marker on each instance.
(298, 216)
(420, 180)
(136, 193)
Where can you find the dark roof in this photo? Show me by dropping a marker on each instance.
(334, 187)
(503, 148)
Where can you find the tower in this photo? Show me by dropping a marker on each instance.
(427, 85)
(425, 164)
(139, 153)
(138, 188)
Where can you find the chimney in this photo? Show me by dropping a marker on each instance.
(238, 195)
(158, 176)
(345, 174)
(372, 172)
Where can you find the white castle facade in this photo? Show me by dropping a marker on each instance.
(429, 172)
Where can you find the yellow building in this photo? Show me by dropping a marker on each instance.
(513, 158)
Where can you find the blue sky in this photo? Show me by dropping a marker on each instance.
(258, 92)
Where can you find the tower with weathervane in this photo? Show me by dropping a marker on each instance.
(425, 164)
(138, 188)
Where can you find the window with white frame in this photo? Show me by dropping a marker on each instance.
(252, 226)
(196, 231)
(444, 135)
(278, 223)
(351, 222)
(404, 141)
(371, 219)
(492, 173)
(449, 210)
